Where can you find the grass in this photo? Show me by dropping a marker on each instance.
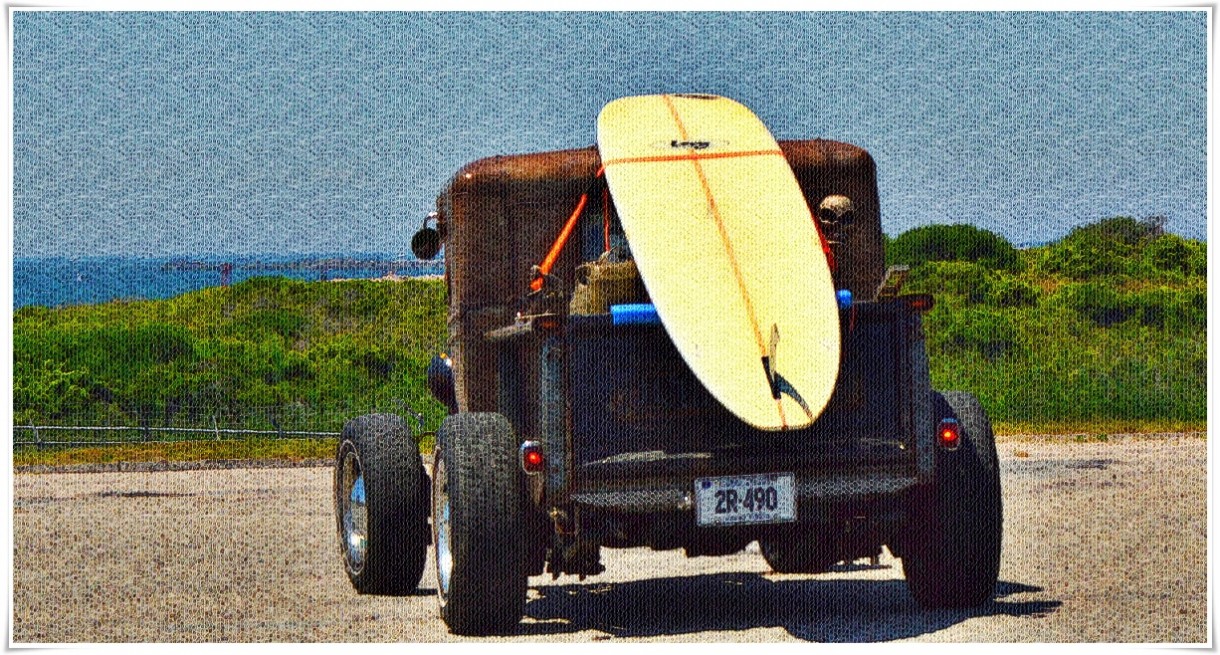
(1017, 429)
(1101, 333)
(278, 353)
(294, 450)
(300, 450)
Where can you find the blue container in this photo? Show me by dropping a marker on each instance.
(634, 314)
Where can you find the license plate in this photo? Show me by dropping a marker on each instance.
(745, 499)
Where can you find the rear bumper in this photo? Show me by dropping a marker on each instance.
(812, 489)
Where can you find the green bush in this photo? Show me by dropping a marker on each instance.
(285, 323)
(47, 390)
(1181, 310)
(931, 243)
(1159, 307)
(264, 343)
(1009, 292)
(107, 351)
(1113, 247)
(1086, 258)
(1120, 229)
(958, 278)
(1124, 338)
(1099, 302)
(971, 330)
(975, 283)
(1172, 253)
(1108, 347)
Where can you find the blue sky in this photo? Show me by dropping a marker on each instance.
(236, 133)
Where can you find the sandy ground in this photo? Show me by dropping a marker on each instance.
(1103, 542)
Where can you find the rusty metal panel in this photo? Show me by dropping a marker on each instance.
(825, 168)
(501, 216)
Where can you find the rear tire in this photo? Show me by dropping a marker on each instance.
(479, 525)
(381, 505)
(951, 557)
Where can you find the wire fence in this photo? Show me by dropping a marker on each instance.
(198, 424)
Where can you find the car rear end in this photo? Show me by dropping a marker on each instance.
(635, 449)
(647, 439)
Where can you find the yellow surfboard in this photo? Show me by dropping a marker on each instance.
(728, 250)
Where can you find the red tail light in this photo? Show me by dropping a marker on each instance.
(532, 459)
(948, 434)
(920, 302)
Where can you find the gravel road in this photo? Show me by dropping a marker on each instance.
(1103, 542)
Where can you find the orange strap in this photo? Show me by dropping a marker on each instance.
(606, 217)
(557, 248)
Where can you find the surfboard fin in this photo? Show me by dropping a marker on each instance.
(778, 382)
(769, 361)
(771, 375)
(779, 385)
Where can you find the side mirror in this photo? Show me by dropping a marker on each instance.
(427, 241)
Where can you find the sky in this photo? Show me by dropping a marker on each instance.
(211, 133)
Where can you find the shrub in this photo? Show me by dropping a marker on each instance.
(1120, 229)
(286, 323)
(1086, 257)
(47, 390)
(1172, 253)
(1192, 307)
(1109, 247)
(971, 330)
(965, 279)
(1174, 309)
(1009, 292)
(953, 243)
(973, 282)
(1098, 302)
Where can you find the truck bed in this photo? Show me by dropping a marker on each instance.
(635, 401)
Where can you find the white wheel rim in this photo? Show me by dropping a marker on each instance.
(354, 512)
(440, 523)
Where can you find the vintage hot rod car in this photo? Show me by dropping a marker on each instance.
(569, 432)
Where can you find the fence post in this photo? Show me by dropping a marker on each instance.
(215, 426)
(274, 421)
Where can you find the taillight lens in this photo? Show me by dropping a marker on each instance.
(920, 302)
(532, 459)
(949, 434)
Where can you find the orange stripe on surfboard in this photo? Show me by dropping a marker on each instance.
(694, 156)
(724, 238)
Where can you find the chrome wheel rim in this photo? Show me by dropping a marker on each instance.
(441, 530)
(354, 512)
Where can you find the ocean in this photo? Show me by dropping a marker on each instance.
(59, 281)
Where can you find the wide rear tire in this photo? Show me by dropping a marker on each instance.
(951, 555)
(381, 505)
(479, 525)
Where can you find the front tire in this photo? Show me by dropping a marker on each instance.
(478, 517)
(381, 505)
(954, 529)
